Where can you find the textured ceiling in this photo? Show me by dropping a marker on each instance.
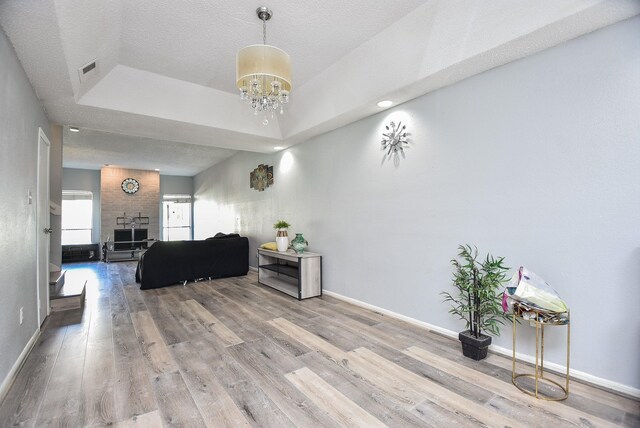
(199, 43)
(89, 149)
(166, 68)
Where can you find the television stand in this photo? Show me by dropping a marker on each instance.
(109, 254)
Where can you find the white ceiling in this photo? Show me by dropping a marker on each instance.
(164, 95)
(88, 149)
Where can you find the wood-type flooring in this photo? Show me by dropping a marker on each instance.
(230, 352)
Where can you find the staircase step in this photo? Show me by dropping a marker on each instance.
(70, 296)
(56, 281)
(56, 276)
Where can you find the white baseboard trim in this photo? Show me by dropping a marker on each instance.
(253, 269)
(11, 376)
(558, 368)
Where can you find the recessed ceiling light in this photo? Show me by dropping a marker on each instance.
(385, 103)
(157, 169)
(278, 148)
(74, 129)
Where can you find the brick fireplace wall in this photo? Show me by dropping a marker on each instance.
(115, 202)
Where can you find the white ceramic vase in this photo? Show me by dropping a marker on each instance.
(282, 240)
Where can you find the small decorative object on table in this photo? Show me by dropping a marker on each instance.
(282, 237)
(299, 243)
(478, 300)
(270, 246)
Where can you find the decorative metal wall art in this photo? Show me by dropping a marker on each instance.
(261, 177)
(394, 139)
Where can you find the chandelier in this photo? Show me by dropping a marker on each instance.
(263, 74)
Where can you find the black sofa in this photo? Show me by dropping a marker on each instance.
(167, 263)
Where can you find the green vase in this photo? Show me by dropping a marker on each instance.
(299, 243)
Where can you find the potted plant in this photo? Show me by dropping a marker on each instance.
(478, 300)
(282, 237)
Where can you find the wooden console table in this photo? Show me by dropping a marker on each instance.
(298, 275)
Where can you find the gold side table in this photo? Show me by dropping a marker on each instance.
(541, 319)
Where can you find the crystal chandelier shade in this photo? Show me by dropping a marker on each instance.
(263, 73)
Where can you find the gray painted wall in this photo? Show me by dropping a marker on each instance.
(87, 180)
(20, 117)
(537, 160)
(174, 185)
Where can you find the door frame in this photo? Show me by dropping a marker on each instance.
(41, 237)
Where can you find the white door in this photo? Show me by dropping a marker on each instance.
(42, 227)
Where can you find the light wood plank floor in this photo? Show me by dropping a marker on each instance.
(230, 352)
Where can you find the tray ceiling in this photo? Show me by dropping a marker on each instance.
(166, 69)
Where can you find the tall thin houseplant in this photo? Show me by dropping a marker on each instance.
(478, 299)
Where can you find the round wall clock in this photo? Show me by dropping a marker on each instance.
(130, 185)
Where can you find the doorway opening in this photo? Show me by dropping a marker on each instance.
(176, 218)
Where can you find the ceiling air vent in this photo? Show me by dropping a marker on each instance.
(88, 70)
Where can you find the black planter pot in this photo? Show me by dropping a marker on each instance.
(473, 348)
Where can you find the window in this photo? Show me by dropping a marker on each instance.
(77, 217)
(176, 215)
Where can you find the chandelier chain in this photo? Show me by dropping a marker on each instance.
(264, 30)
